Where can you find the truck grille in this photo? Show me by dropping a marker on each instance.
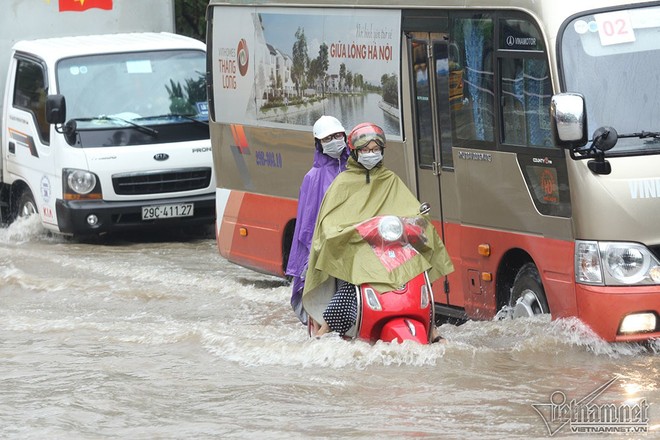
(158, 182)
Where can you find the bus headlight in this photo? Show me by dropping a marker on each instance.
(615, 264)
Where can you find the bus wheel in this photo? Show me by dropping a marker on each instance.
(26, 205)
(527, 295)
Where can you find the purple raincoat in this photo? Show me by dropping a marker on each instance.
(313, 187)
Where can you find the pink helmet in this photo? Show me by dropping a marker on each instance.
(363, 134)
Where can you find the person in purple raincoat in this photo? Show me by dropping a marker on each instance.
(330, 157)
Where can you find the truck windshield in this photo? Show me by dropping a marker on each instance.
(154, 88)
(613, 59)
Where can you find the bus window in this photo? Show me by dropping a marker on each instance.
(526, 93)
(449, 92)
(525, 85)
(473, 120)
(422, 93)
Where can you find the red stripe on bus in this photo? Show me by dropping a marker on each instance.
(553, 258)
(265, 219)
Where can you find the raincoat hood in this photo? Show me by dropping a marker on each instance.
(338, 251)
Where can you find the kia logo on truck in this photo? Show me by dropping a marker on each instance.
(161, 156)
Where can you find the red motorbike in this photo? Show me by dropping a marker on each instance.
(407, 312)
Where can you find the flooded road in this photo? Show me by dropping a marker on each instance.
(161, 338)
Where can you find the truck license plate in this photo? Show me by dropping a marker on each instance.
(167, 211)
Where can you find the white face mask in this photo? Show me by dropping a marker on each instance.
(334, 148)
(370, 160)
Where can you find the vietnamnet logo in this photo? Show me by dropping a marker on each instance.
(585, 416)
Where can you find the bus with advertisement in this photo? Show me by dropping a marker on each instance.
(531, 127)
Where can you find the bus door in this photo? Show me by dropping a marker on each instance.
(433, 86)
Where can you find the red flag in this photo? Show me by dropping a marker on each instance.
(83, 5)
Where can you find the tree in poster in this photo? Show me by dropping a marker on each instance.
(300, 60)
(324, 64)
(342, 75)
(389, 85)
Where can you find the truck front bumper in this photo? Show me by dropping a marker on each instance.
(73, 215)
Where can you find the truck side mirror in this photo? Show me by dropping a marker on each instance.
(568, 120)
(55, 109)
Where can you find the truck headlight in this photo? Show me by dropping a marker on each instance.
(80, 184)
(615, 264)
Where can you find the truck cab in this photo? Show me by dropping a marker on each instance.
(130, 147)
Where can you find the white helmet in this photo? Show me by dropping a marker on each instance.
(327, 125)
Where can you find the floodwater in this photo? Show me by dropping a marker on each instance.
(161, 338)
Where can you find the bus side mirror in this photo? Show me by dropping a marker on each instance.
(568, 120)
(55, 109)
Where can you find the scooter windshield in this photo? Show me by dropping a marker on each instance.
(394, 240)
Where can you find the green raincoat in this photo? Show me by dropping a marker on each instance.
(338, 250)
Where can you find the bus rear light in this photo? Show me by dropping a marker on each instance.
(638, 323)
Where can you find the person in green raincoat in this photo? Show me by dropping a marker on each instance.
(339, 258)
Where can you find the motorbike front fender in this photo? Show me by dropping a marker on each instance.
(404, 329)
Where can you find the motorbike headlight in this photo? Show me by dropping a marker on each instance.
(615, 264)
(390, 228)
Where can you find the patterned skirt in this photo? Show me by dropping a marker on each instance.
(341, 312)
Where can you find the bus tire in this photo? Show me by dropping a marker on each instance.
(26, 205)
(527, 294)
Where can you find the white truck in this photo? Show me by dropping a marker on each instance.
(105, 122)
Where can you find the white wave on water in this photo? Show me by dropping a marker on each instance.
(26, 229)
(530, 338)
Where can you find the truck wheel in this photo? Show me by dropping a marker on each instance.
(527, 295)
(26, 205)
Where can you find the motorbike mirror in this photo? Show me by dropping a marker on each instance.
(425, 208)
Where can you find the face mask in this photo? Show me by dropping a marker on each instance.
(334, 148)
(370, 160)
